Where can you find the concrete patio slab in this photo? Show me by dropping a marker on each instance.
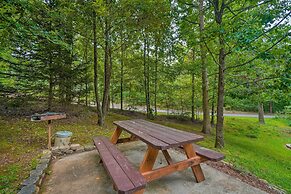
(82, 173)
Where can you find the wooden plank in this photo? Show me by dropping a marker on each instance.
(172, 131)
(167, 156)
(143, 136)
(47, 116)
(197, 171)
(154, 133)
(116, 135)
(125, 140)
(149, 159)
(179, 166)
(209, 154)
(136, 178)
(174, 140)
(122, 182)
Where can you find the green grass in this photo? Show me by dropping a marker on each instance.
(250, 147)
(254, 148)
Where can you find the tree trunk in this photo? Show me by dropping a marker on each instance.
(107, 70)
(218, 12)
(146, 78)
(213, 102)
(156, 79)
(86, 97)
(193, 99)
(99, 111)
(50, 93)
(261, 113)
(219, 143)
(206, 119)
(122, 71)
(271, 107)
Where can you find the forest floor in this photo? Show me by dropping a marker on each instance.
(252, 150)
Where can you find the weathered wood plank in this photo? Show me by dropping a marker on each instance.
(158, 173)
(151, 132)
(180, 135)
(209, 154)
(143, 136)
(197, 171)
(136, 178)
(120, 179)
(149, 159)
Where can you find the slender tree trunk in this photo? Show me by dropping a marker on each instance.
(122, 71)
(146, 78)
(213, 102)
(270, 107)
(86, 88)
(107, 71)
(156, 79)
(261, 113)
(219, 143)
(206, 119)
(193, 90)
(218, 11)
(193, 99)
(98, 106)
(50, 93)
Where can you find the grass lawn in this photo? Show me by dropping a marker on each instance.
(251, 147)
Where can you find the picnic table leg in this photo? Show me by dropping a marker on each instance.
(149, 159)
(197, 171)
(168, 157)
(116, 135)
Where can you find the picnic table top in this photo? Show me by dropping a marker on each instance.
(158, 136)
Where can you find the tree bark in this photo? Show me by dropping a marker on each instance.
(50, 93)
(193, 99)
(107, 70)
(95, 63)
(206, 119)
(146, 78)
(156, 78)
(270, 107)
(218, 10)
(219, 143)
(121, 71)
(213, 102)
(193, 90)
(261, 113)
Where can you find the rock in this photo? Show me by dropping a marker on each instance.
(80, 149)
(41, 168)
(46, 152)
(69, 151)
(55, 150)
(74, 147)
(32, 179)
(29, 189)
(64, 148)
(89, 147)
(44, 160)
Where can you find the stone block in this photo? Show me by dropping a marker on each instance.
(80, 149)
(68, 151)
(89, 147)
(74, 147)
(32, 179)
(29, 189)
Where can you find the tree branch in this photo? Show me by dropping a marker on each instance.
(257, 56)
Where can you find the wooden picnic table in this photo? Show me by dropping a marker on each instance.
(161, 138)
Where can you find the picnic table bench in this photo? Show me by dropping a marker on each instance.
(158, 138)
